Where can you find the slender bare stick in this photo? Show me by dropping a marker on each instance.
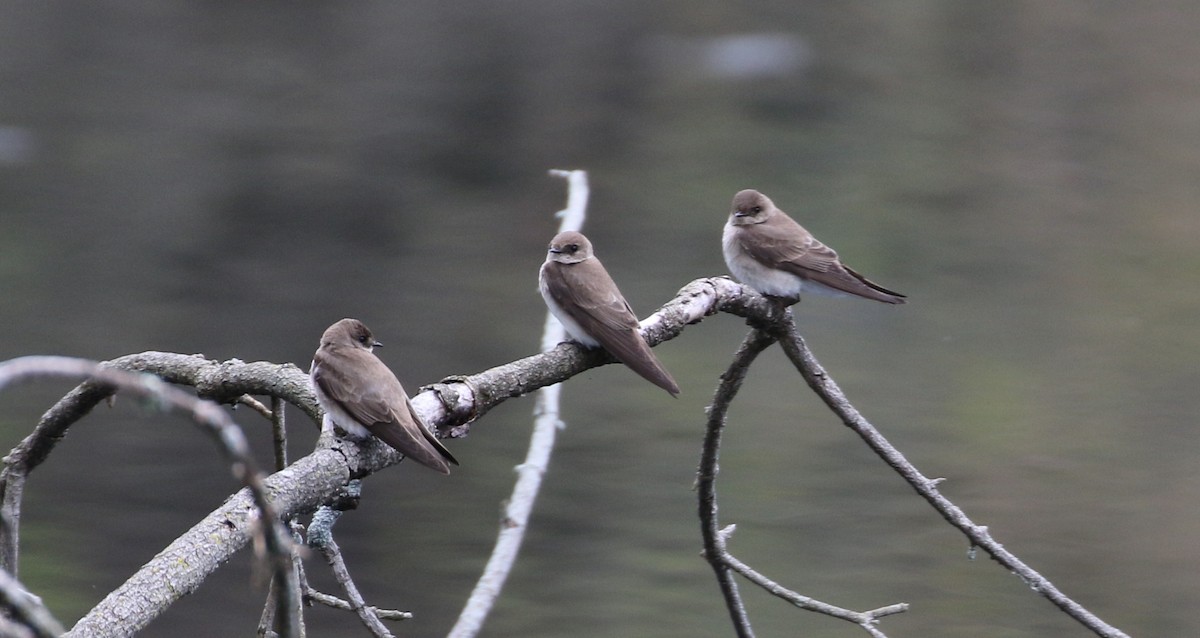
(864, 619)
(826, 388)
(279, 433)
(297, 599)
(320, 537)
(715, 550)
(277, 600)
(256, 405)
(333, 556)
(706, 476)
(266, 622)
(537, 459)
(270, 623)
(337, 603)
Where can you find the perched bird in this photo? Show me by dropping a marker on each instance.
(361, 396)
(768, 251)
(581, 294)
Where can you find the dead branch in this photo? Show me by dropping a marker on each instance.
(450, 406)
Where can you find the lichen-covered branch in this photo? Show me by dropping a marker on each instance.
(449, 406)
(452, 404)
(25, 611)
(180, 568)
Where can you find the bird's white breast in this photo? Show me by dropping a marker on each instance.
(570, 325)
(753, 273)
(334, 414)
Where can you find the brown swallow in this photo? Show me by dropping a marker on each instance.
(584, 298)
(361, 396)
(768, 251)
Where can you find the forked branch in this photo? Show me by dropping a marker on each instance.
(208, 415)
(780, 327)
(715, 538)
(450, 406)
(978, 536)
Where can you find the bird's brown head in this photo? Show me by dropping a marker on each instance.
(350, 333)
(750, 207)
(569, 248)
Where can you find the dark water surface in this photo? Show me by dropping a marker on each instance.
(231, 178)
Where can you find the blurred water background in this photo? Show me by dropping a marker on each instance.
(230, 178)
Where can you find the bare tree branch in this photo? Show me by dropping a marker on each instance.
(320, 537)
(337, 603)
(10, 628)
(206, 414)
(28, 615)
(279, 598)
(210, 543)
(864, 619)
(723, 563)
(706, 475)
(279, 433)
(826, 388)
(537, 459)
(333, 556)
(457, 401)
(775, 326)
(256, 405)
(225, 382)
(271, 623)
(312, 480)
(450, 406)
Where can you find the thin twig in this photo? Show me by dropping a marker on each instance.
(826, 388)
(320, 537)
(715, 538)
(300, 579)
(537, 459)
(706, 475)
(266, 621)
(256, 405)
(864, 619)
(337, 603)
(333, 556)
(279, 433)
(270, 623)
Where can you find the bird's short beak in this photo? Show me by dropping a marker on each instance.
(376, 345)
(555, 250)
(738, 213)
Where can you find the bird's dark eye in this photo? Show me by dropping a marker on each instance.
(362, 339)
(573, 247)
(756, 210)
